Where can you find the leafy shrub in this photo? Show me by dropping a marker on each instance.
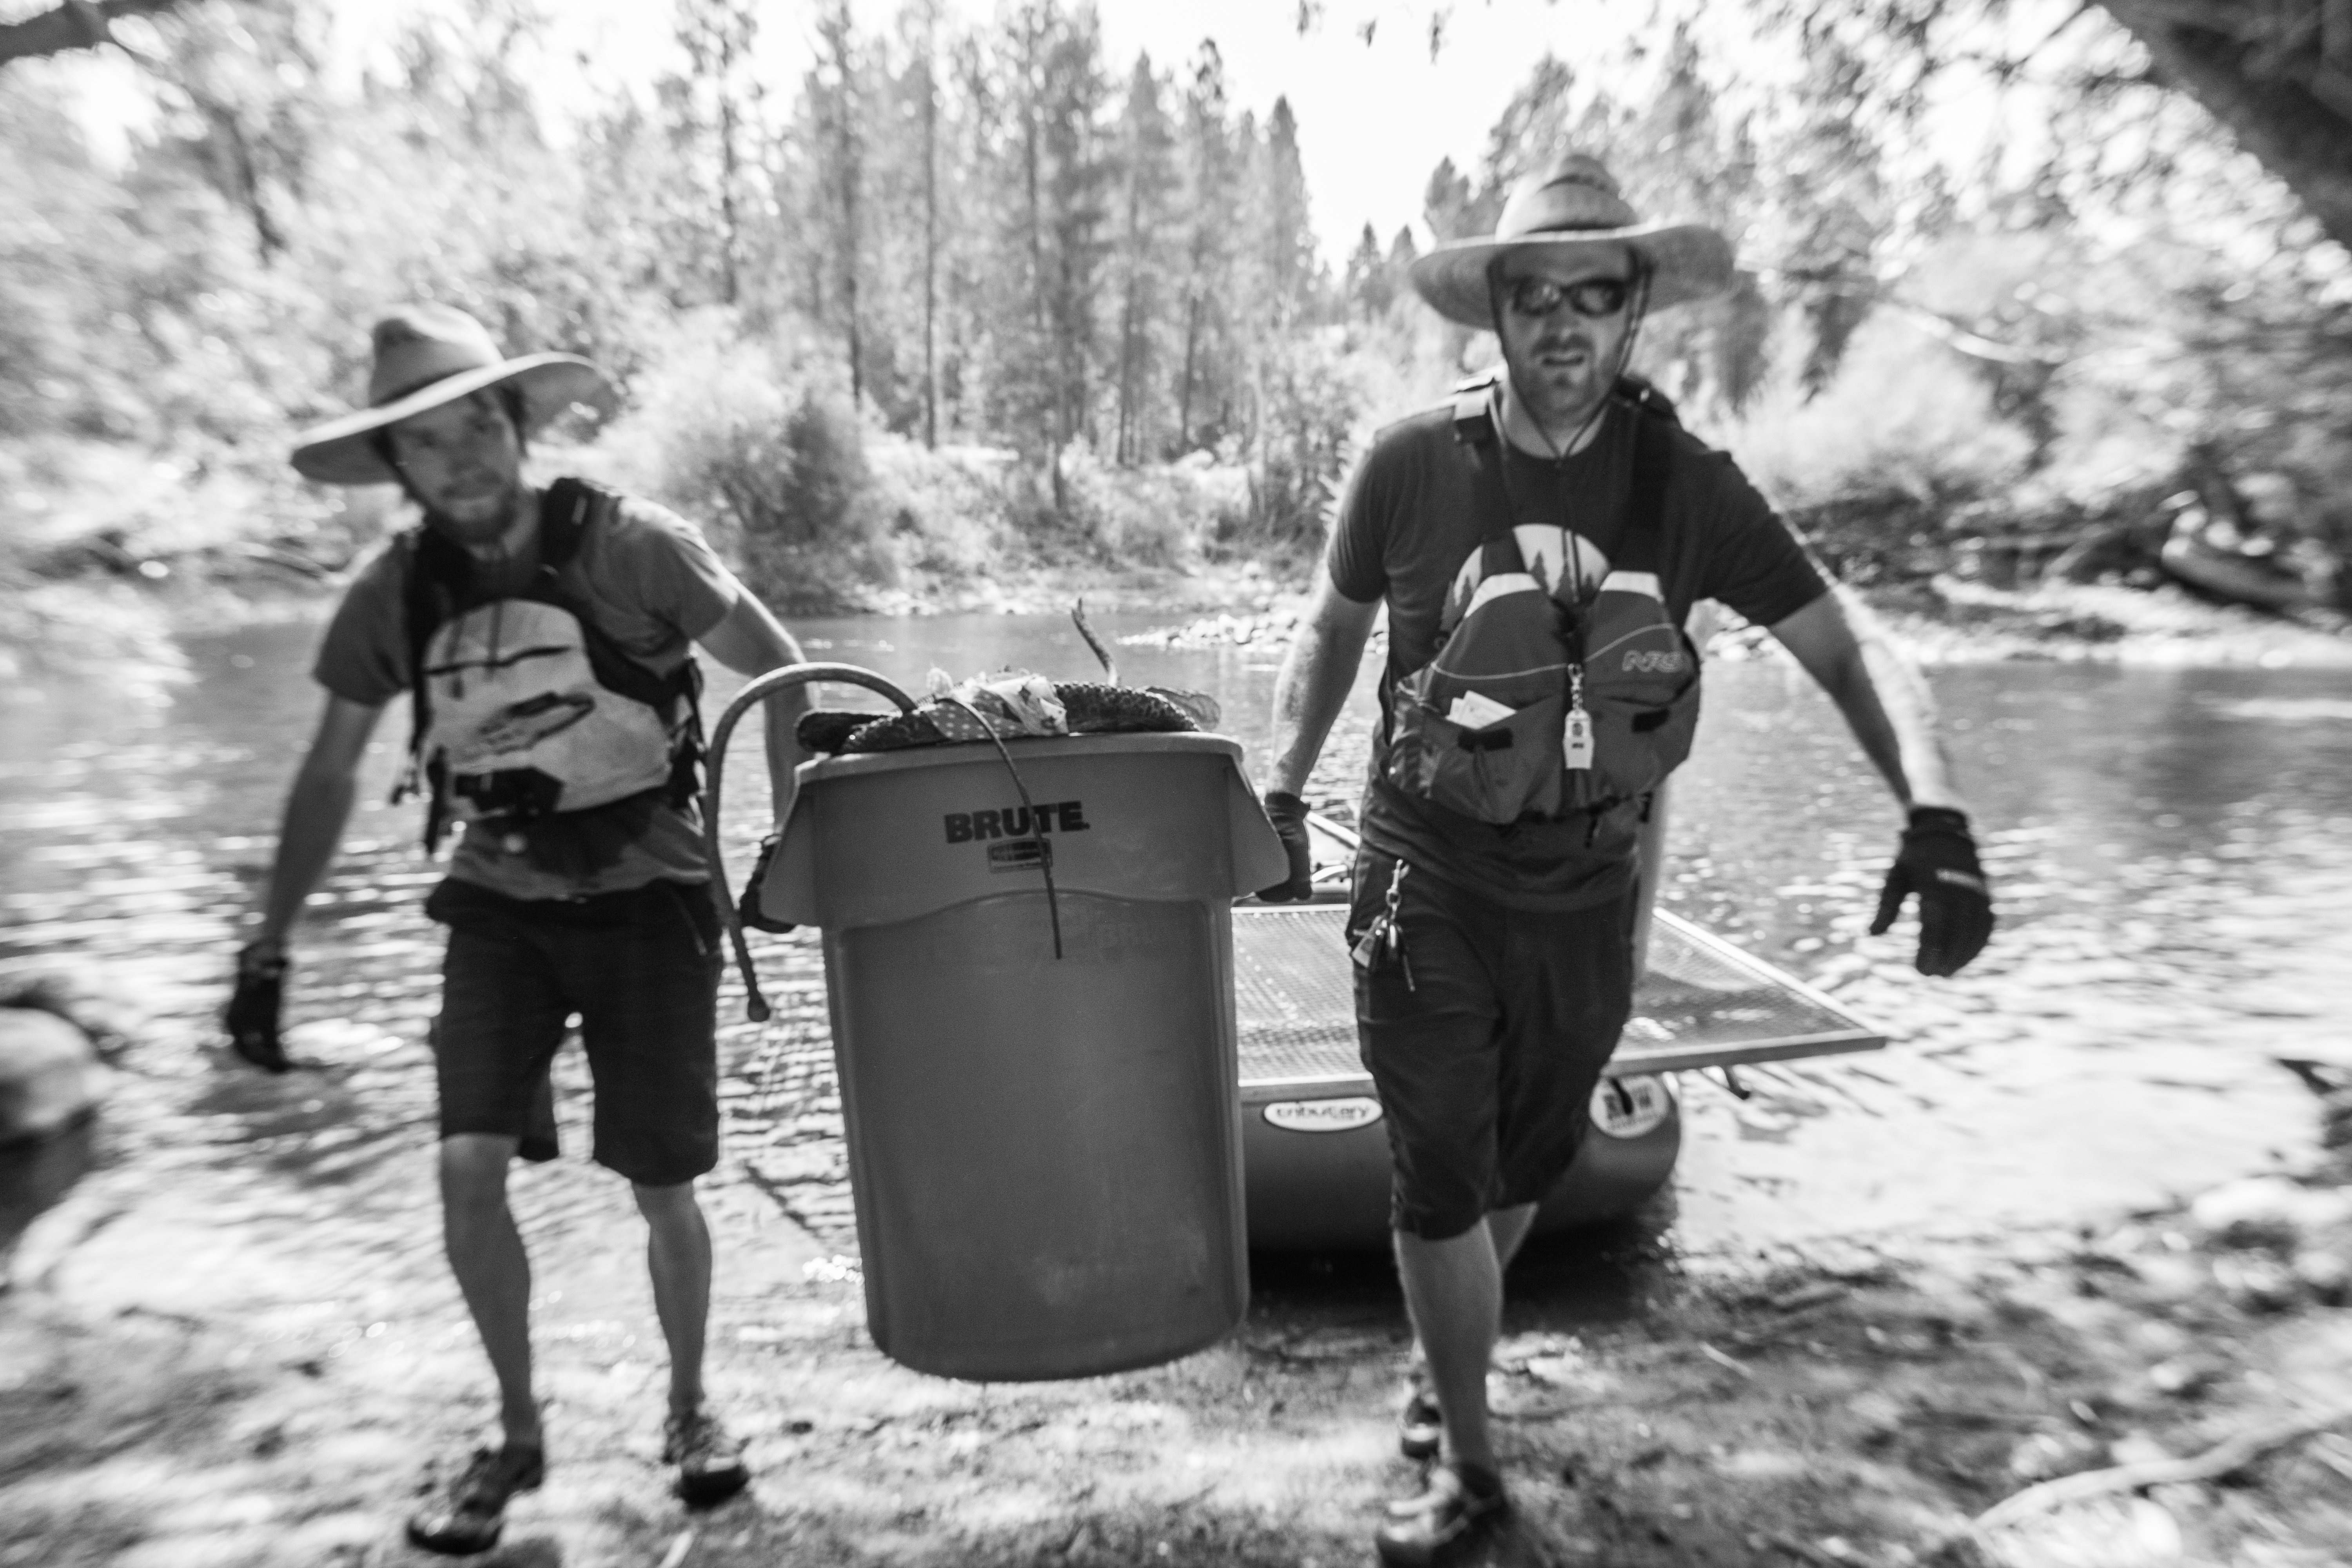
(735, 434)
(949, 512)
(1313, 391)
(1157, 516)
(1903, 417)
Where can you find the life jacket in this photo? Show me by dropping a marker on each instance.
(1537, 709)
(522, 707)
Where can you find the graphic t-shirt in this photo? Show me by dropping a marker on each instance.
(649, 581)
(1410, 530)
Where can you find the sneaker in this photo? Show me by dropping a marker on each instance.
(1444, 1526)
(710, 1462)
(1421, 1425)
(466, 1515)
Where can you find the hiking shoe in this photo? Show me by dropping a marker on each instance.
(466, 1515)
(710, 1462)
(1444, 1526)
(1421, 1425)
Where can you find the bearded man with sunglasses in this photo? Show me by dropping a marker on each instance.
(1539, 544)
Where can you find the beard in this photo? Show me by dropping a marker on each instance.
(1560, 393)
(481, 520)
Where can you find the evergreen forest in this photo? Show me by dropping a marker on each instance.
(971, 296)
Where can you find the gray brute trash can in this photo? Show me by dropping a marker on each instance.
(1044, 1151)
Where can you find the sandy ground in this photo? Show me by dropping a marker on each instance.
(207, 1362)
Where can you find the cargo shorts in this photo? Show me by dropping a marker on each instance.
(1485, 1062)
(641, 968)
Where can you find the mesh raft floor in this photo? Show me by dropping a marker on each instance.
(1703, 1004)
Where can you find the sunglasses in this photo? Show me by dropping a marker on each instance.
(1594, 297)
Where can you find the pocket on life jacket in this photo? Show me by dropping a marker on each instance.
(1497, 773)
(1644, 697)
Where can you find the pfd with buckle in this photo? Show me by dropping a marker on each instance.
(1536, 709)
(522, 707)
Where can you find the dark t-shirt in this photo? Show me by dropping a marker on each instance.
(1409, 526)
(649, 581)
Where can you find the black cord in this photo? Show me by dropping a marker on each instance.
(757, 690)
(1044, 844)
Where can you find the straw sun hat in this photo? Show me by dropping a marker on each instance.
(1572, 205)
(427, 355)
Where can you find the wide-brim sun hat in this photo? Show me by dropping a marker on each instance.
(1571, 206)
(427, 355)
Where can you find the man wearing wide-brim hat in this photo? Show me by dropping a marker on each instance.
(1538, 543)
(543, 637)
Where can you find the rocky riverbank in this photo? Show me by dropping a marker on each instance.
(1948, 620)
(237, 1344)
(208, 1362)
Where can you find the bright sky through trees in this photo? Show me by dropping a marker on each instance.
(1374, 119)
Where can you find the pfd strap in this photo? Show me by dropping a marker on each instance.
(1474, 411)
(1642, 544)
(564, 522)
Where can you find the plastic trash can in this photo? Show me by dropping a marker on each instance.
(1044, 1151)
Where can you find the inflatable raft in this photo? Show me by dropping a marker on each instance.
(1315, 1155)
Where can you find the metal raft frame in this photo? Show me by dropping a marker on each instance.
(1703, 1002)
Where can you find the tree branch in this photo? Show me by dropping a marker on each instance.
(2297, 132)
(2213, 1464)
(75, 25)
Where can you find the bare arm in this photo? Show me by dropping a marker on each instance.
(1316, 675)
(750, 641)
(316, 810)
(1882, 693)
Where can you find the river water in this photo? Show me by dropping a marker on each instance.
(2173, 849)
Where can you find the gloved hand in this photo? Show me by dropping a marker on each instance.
(747, 903)
(251, 1017)
(1939, 862)
(1288, 814)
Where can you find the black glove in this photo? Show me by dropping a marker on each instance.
(251, 1017)
(1939, 862)
(747, 903)
(1288, 814)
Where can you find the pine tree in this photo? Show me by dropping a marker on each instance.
(717, 112)
(1148, 182)
(1445, 202)
(1365, 282)
(1211, 204)
(923, 37)
(835, 92)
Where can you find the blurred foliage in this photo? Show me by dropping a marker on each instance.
(971, 296)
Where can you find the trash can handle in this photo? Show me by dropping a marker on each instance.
(759, 688)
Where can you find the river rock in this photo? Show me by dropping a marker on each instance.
(2168, 1277)
(2326, 1275)
(2185, 1374)
(2100, 1533)
(2257, 1281)
(2267, 1212)
(2335, 1120)
(50, 1082)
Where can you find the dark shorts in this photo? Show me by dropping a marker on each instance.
(640, 967)
(1486, 1063)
